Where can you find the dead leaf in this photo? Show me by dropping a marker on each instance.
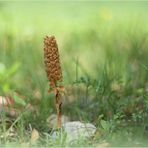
(7, 106)
(5, 101)
(34, 136)
(37, 94)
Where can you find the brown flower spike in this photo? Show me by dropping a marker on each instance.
(53, 70)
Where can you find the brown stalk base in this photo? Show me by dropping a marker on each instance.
(58, 103)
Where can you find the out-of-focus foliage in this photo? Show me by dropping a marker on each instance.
(6, 77)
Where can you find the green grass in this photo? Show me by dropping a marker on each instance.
(103, 47)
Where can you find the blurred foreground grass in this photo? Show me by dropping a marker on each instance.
(103, 48)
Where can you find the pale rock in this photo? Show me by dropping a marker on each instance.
(75, 131)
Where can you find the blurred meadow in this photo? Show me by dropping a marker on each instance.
(104, 56)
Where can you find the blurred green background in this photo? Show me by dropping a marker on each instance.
(104, 57)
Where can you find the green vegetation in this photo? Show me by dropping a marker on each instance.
(104, 49)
